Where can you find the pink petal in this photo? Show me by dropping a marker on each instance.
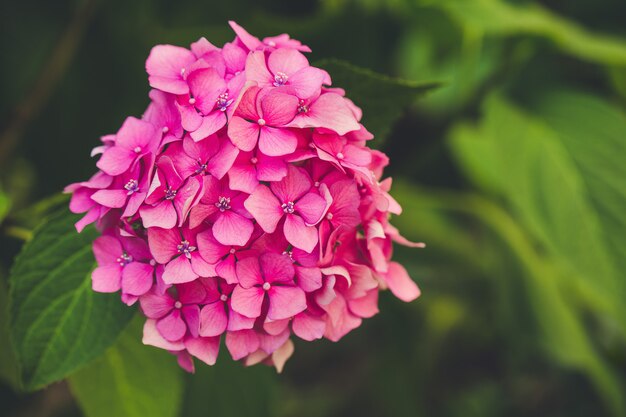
(270, 169)
(138, 135)
(307, 82)
(137, 278)
(248, 301)
(308, 327)
(282, 354)
(206, 85)
(256, 70)
(276, 268)
(191, 314)
(312, 208)
(287, 61)
(223, 160)
(164, 65)
(116, 160)
(204, 348)
(293, 186)
(265, 208)
(179, 271)
(249, 272)
(400, 283)
(285, 302)
(107, 249)
(279, 108)
(211, 123)
(155, 306)
(329, 111)
(186, 197)
(243, 134)
(209, 248)
(232, 229)
(172, 327)
(163, 244)
(200, 266)
(277, 141)
(152, 337)
(213, 319)
(366, 306)
(106, 278)
(110, 198)
(243, 178)
(227, 270)
(162, 215)
(300, 235)
(309, 279)
(242, 343)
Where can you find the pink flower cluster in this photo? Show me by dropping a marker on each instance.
(244, 203)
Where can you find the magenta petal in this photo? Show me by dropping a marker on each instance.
(300, 235)
(178, 271)
(237, 321)
(312, 207)
(243, 134)
(270, 169)
(165, 65)
(232, 229)
(293, 186)
(242, 343)
(116, 160)
(163, 244)
(276, 268)
(227, 270)
(107, 249)
(155, 306)
(279, 108)
(249, 272)
(172, 327)
(137, 278)
(200, 266)
(191, 314)
(163, 215)
(213, 319)
(265, 208)
(248, 301)
(400, 283)
(243, 178)
(211, 123)
(152, 337)
(309, 279)
(285, 302)
(277, 141)
(106, 278)
(210, 249)
(223, 160)
(110, 198)
(308, 327)
(204, 348)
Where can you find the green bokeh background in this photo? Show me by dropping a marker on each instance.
(513, 173)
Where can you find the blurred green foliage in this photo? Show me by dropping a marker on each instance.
(513, 173)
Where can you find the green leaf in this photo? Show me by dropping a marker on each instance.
(130, 380)
(503, 18)
(383, 99)
(5, 205)
(8, 365)
(57, 322)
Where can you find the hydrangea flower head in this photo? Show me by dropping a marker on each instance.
(244, 206)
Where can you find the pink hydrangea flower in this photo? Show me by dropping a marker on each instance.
(243, 206)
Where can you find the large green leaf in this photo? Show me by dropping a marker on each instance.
(503, 18)
(8, 366)
(383, 99)
(130, 380)
(57, 322)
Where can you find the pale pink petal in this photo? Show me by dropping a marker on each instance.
(213, 319)
(287, 61)
(232, 229)
(309, 279)
(110, 198)
(237, 321)
(256, 70)
(366, 306)
(265, 208)
(300, 235)
(116, 160)
(162, 215)
(329, 111)
(211, 123)
(248, 301)
(400, 283)
(152, 337)
(307, 82)
(285, 302)
(282, 354)
(200, 266)
(242, 343)
(165, 65)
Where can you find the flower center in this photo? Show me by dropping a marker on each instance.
(232, 251)
(339, 155)
(302, 108)
(223, 102)
(288, 207)
(267, 286)
(192, 101)
(124, 259)
(178, 304)
(280, 79)
(223, 297)
(201, 166)
(186, 249)
(131, 186)
(329, 216)
(253, 160)
(169, 193)
(223, 203)
(261, 122)
(137, 149)
(290, 254)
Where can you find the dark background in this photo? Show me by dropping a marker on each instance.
(504, 325)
